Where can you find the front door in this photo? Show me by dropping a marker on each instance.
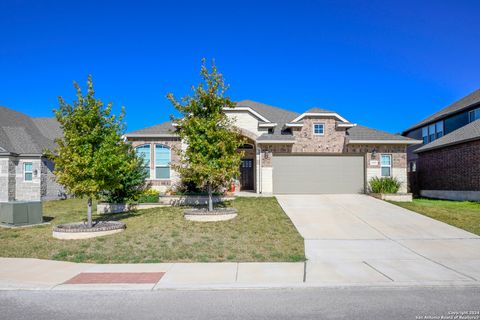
(246, 174)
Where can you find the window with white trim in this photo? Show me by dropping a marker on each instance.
(143, 152)
(386, 165)
(28, 171)
(162, 162)
(318, 129)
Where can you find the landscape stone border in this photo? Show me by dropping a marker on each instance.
(79, 230)
(203, 215)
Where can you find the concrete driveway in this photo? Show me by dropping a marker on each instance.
(359, 239)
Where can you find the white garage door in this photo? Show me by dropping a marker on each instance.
(318, 174)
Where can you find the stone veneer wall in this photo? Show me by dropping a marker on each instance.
(28, 190)
(7, 179)
(173, 143)
(12, 184)
(50, 189)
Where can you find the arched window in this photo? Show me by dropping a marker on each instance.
(162, 162)
(143, 152)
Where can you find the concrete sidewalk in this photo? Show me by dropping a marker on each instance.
(35, 274)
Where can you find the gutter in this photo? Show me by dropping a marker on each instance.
(419, 150)
(152, 135)
(385, 142)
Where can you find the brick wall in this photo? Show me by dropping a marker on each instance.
(333, 139)
(451, 168)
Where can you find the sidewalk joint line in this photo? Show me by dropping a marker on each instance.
(236, 272)
(383, 274)
(305, 271)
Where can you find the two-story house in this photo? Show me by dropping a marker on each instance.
(318, 151)
(447, 164)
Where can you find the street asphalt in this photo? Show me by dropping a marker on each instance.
(320, 303)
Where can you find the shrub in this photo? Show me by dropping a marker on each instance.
(149, 196)
(384, 185)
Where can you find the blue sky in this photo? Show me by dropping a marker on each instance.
(383, 64)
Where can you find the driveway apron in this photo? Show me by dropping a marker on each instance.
(353, 238)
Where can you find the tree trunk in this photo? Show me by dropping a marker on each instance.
(210, 201)
(89, 213)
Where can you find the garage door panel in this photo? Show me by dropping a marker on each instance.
(318, 174)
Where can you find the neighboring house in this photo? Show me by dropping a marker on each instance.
(25, 174)
(447, 164)
(318, 151)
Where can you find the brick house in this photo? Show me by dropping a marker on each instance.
(25, 174)
(318, 151)
(447, 164)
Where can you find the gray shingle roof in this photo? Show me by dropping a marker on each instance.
(319, 110)
(466, 133)
(365, 134)
(22, 134)
(275, 137)
(49, 127)
(165, 128)
(464, 103)
(273, 114)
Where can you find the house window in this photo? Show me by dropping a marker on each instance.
(425, 135)
(412, 167)
(386, 165)
(143, 152)
(318, 129)
(432, 132)
(439, 129)
(474, 115)
(162, 162)
(28, 171)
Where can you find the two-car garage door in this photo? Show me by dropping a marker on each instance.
(318, 174)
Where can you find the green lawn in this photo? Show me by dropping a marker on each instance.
(462, 214)
(260, 232)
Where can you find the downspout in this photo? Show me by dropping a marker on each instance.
(260, 169)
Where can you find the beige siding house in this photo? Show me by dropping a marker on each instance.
(318, 151)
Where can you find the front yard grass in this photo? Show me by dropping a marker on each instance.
(461, 214)
(261, 232)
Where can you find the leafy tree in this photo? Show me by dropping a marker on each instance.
(92, 157)
(210, 159)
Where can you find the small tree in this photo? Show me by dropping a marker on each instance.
(210, 159)
(92, 157)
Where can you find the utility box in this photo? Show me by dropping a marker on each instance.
(18, 213)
